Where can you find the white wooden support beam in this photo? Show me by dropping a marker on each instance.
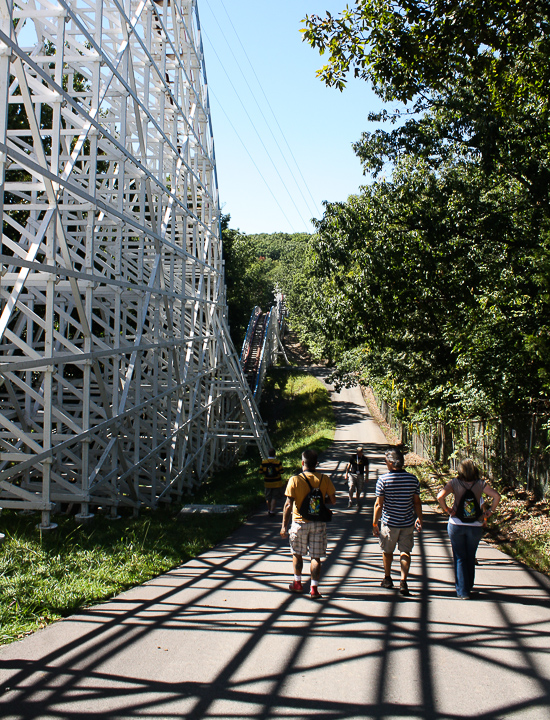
(119, 383)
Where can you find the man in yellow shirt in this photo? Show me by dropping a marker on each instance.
(306, 536)
(271, 469)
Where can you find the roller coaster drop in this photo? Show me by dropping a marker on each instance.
(262, 344)
(119, 384)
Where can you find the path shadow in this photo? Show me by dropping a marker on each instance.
(246, 674)
(65, 681)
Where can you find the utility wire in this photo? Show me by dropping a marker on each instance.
(255, 129)
(253, 161)
(292, 173)
(272, 112)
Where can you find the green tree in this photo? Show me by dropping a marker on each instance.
(474, 74)
(286, 253)
(428, 290)
(410, 48)
(436, 280)
(247, 279)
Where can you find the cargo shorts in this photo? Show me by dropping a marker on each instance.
(356, 482)
(403, 537)
(273, 493)
(308, 538)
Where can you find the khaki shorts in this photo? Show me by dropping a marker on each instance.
(273, 493)
(310, 537)
(356, 482)
(403, 537)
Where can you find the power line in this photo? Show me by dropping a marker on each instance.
(253, 161)
(252, 122)
(272, 112)
(292, 174)
(255, 129)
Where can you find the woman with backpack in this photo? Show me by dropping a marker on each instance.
(467, 519)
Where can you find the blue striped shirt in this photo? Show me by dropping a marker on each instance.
(398, 488)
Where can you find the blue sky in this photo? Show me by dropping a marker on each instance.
(264, 95)
(282, 138)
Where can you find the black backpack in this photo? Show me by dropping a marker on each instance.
(468, 509)
(313, 505)
(270, 470)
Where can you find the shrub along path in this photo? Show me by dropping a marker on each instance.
(220, 636)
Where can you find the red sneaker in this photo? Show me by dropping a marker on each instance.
(296, 587)
(314, 593)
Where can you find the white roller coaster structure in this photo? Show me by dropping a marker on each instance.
(119, 382)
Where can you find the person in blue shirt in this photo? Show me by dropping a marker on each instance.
(397, 512)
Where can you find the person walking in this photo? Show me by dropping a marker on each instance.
(357, 474)
(306, 536)
(467, 518)
(271, 470)
(397, 503)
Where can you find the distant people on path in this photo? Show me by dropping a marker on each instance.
(357, 474)
(307, 536)
(271, 470)
(397, 504)
(466, 521)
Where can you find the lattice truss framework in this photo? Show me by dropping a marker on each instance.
(119, 380)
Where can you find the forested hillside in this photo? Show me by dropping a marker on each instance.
(432, 283)
(256, 268)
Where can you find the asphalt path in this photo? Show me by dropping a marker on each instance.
(221, 636)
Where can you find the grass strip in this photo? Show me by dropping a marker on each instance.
(44, 577)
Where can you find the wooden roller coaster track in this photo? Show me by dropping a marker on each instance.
(119, 383)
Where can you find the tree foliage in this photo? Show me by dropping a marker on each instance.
(475, 74)
(407, 48)
(435, 280)
(256, 268)
(438, 315)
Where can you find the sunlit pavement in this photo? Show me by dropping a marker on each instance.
(221, 636)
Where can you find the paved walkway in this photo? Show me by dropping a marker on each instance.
(220, 637)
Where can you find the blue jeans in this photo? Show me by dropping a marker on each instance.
(464, 541)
